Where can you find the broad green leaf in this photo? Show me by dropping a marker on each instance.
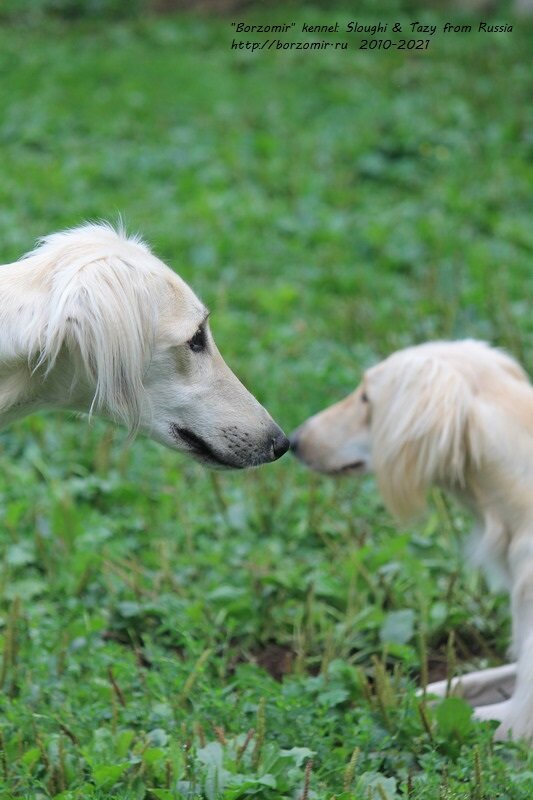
(298, 754)
(398, 627)
(31, 757)
(376, 786)
(105, 776)
(454, 717)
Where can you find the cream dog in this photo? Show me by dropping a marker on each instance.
(458, 415)
(92, 321)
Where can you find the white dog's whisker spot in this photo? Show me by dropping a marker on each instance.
(458, 415)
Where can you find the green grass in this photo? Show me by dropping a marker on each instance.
(329, 207)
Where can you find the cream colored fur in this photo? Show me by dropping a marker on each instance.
(458, 415)
(92, 321)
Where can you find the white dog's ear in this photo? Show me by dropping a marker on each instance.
(104, 316)
(422, 429)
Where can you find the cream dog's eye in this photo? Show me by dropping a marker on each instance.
(198, 341)
(364, 398)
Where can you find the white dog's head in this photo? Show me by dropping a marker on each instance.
(117, 330)
(412, 420)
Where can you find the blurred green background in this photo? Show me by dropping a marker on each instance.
(168, 633)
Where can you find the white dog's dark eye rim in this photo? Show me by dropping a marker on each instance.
(364, 398)
(198, 341)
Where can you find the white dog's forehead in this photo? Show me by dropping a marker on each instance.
(183, 313)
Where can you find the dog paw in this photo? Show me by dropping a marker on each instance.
(514, 724)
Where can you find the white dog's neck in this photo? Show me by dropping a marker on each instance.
(24, 391)
(24, 386)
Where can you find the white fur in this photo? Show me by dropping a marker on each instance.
(458, 415)
(92, 321)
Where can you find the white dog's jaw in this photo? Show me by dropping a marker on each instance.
(239, 451)
(92, 321)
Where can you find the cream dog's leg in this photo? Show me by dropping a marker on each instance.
(501, 712)
(481, 688)
(516, 714)
(505, 693)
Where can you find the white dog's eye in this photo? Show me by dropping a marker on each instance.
(364, 398)
(198, 341)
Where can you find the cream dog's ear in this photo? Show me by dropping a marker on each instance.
(421, 429)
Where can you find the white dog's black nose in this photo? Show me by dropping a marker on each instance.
(293, 441)
(280, 445)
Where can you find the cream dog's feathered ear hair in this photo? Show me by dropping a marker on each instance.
(100, 308)
(423, 429)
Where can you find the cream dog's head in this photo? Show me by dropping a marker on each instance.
(338, 440)
(111, 328)
(415, 420)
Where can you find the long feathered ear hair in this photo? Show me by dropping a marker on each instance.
(423, 429)
(101, 309)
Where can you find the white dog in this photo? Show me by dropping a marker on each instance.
(92, 321)
(458, 415)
